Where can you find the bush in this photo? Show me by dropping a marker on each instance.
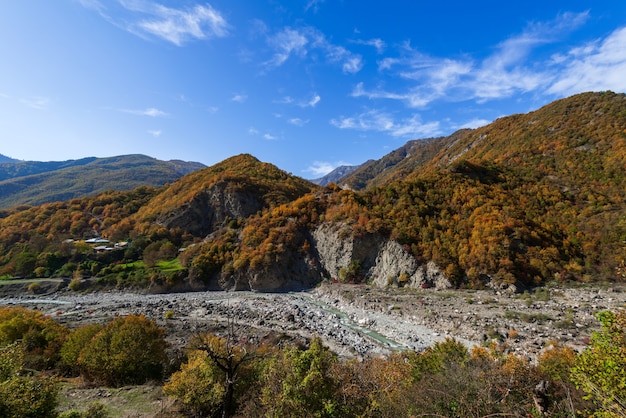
(600, 370)
(301, 383)
(34, 287)
(40, 337)
(75, 344)
(198, 385)
(23, 395)
(129, 350)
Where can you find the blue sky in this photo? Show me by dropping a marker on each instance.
(306, 85)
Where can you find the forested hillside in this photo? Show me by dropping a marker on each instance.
(525, 200)
(35, 182)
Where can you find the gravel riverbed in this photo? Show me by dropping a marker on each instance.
(351, 320)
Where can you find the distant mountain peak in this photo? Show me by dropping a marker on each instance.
(5, 159)
(336, 175)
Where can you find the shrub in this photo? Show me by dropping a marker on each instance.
(301, 383)
(128, 350)
(198, 385)
(439, 357)
(75, 284)
(34, 287)
(40, 337)
(23, 395)
(75, 344)
(600, 370)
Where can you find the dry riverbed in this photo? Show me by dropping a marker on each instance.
(352, 320)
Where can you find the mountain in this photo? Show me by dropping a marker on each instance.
(523, 201)
(234, 189)
(398, 163)
(34, 183)
(336, 175)
(5, 159)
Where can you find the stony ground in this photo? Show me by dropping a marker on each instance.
(352, 320)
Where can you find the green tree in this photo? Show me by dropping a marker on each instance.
(23, 395)
(126, 351)
(75, 344)
(600, 370)
(41, 337)
(301, 383)
(25, 263)
(199, 385)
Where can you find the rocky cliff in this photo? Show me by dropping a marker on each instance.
(336, 254)
(208, 210)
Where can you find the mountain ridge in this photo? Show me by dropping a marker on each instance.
(34, 182)
(523, 201)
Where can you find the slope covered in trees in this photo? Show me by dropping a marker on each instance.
(525, 200)
(35, 183)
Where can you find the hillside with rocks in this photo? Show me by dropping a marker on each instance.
(522, 202)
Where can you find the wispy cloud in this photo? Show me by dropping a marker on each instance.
(377, 43)
(321, 168)
(286, 43)
(298, 121)
(509, 70)
(473, 124)
(151, 112)
(297, 42)
(150, 19)
(378, 121)
(239, 98)
(313, 5)
(39, 103)
(600, 65)
(267, 136)
(155, 132)
(312, 102)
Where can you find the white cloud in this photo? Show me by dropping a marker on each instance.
(313, 4)
(285, 100)
(239, 98)
(286, 43)
(377, 43)
(151, 111)
(600, 65)
(147, 18)
(353, 64)
(298, 42)
(212, 109)
(321, 168)
(267, 136)
(474, 123)
(414, 97)
(298, 121)
(312, 102)
(155, 132)
(39, 103)
(509, 70)
(378, 121)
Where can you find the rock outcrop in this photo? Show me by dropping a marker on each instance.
(208, 210)
(381, 261)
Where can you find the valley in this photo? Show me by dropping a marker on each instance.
(354, 321)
